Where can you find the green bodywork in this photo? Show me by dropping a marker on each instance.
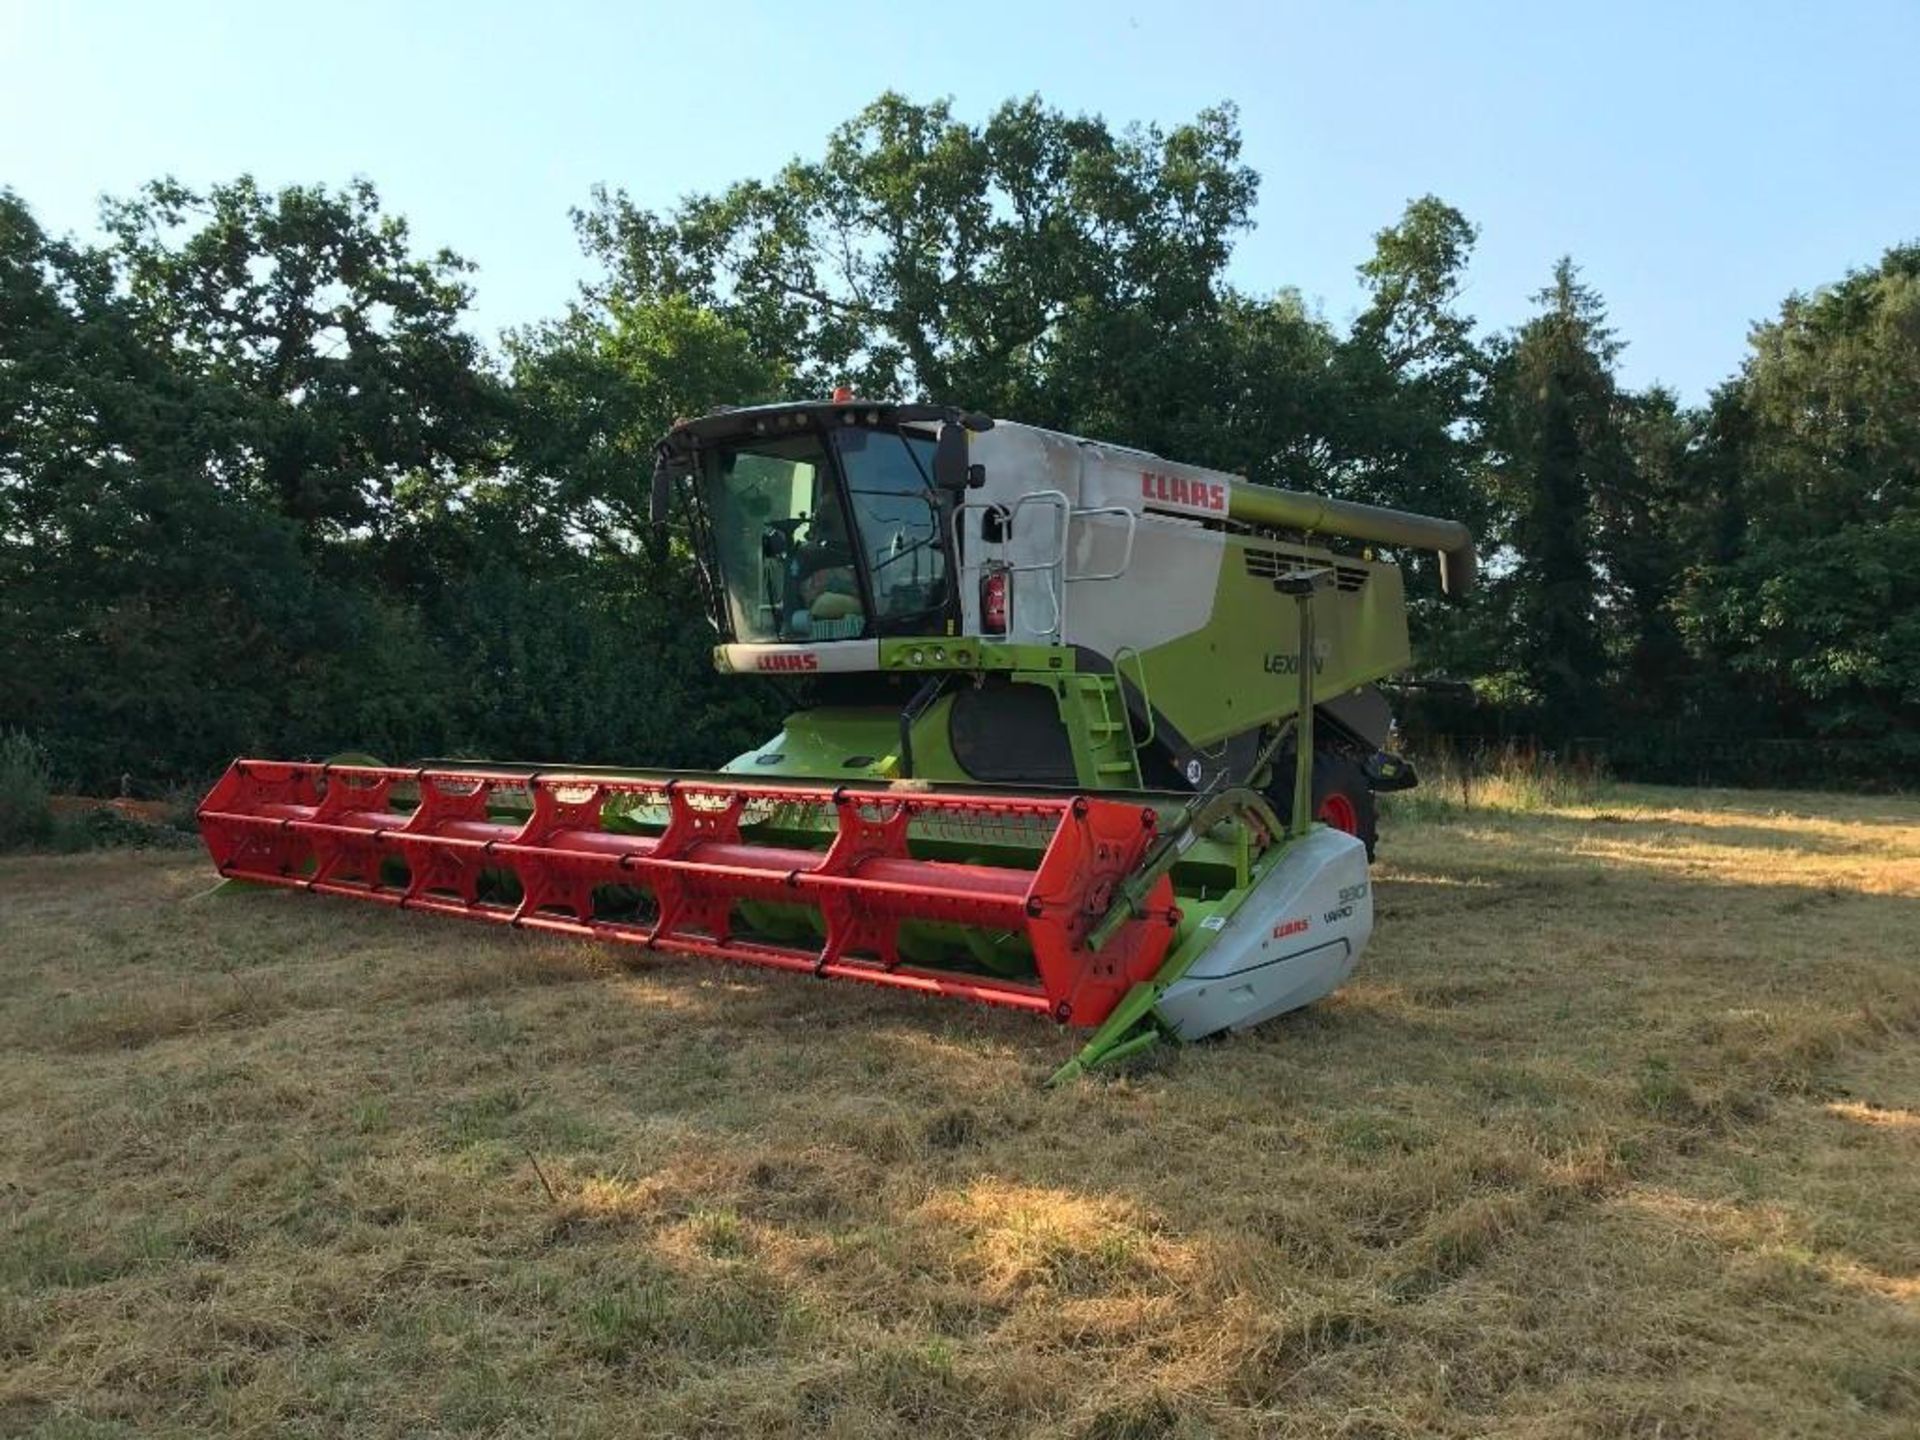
(1239, 671)
(865, 742)
(1237, 674)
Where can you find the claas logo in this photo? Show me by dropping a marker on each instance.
(787, 660)
(1188, 494)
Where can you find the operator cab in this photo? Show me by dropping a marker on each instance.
(819, 522)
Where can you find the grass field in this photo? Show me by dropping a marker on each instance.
(1616, 1133)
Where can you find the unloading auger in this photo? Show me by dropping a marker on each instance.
(1092, 734)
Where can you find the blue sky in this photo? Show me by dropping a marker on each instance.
(1698, 160)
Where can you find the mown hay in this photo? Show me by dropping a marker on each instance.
(1613, 1135)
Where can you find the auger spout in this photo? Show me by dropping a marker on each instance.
(1320, 514)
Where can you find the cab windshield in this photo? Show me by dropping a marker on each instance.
(792, 567)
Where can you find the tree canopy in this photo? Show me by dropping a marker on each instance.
(262, 487)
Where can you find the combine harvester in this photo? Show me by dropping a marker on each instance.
(1096, 735)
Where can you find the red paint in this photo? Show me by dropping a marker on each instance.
(1182, 493)
(1337, 813)
(359, 831)
(787, 660)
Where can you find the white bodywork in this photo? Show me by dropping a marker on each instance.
(835, 657)
(1294, 939)
(1088, 514)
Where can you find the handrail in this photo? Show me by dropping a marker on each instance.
(1054, 566)
(1126, 555)
(1146, 697)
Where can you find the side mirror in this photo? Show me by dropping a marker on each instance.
(663, 472)
(951, 471)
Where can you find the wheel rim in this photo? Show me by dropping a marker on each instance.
(1337, 812)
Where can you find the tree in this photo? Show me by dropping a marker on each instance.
(1411, 377)
(594, 393)
(921, 256)
(260, 493)
(148, 612)
(1415, 276)
(1048, 267)
(354, 393)
(1649, 517)
(1807, 588)
(1555, 442)
(597, 389)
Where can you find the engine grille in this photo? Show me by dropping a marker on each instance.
(1271, 564)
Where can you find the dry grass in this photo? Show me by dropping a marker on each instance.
(1615, 1135)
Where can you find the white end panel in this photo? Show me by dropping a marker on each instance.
(1296, 938)
(1133, 566)
(1173, 573)
(1035, 476)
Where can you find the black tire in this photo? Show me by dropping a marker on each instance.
(1341, 796)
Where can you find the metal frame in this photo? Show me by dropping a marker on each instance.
(426, 839)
